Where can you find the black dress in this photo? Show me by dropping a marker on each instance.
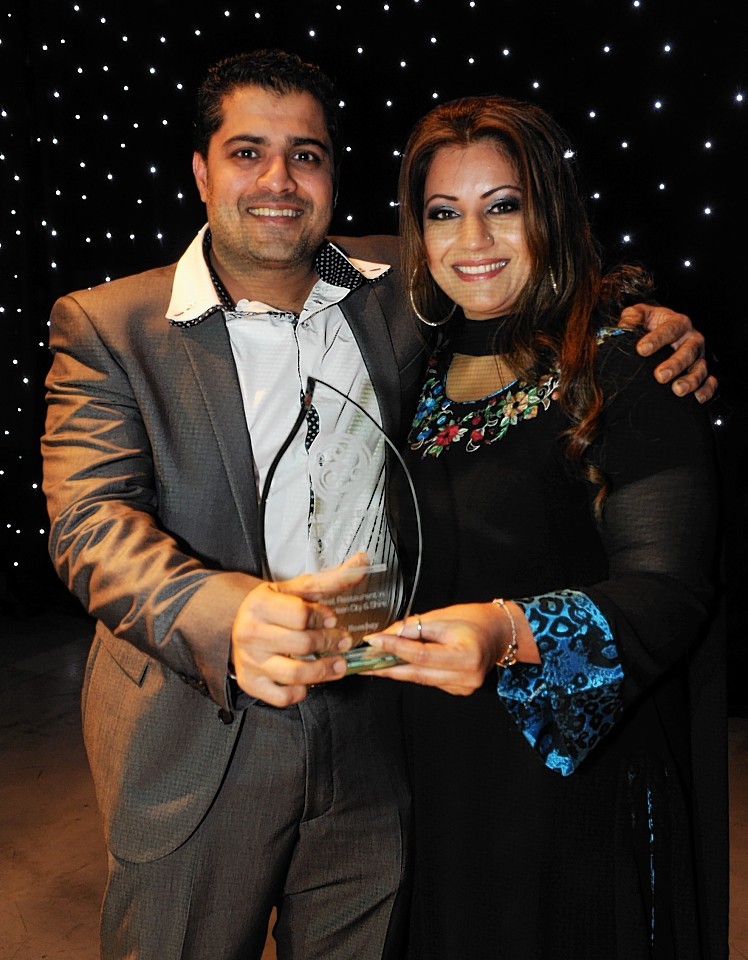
(556, 816)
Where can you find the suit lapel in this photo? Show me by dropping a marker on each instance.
(366, 319)
(209, 351)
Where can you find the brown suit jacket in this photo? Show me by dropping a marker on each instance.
(149, 479)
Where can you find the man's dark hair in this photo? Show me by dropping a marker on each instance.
(274, 70)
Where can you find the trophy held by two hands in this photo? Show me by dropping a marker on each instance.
(354, 469)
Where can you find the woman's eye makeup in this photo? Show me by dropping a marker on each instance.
(499, 205)
(440, 213)
(505, 205)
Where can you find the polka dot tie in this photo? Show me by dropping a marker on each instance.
(312, 429)
(312, 424)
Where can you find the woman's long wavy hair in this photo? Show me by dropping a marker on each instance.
(566, 297)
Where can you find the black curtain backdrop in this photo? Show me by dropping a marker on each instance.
(95, 169)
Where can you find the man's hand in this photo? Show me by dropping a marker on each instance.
(686, 368)
(279, 622)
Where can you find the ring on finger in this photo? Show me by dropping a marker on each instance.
(419, 627)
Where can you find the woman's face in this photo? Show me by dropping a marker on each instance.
(473, 229)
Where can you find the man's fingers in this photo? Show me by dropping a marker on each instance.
(324, 584)
(275, 640)
(267, 639)
(631, 317)
(690, 380)
(284, 679)
(276, 605)
(664, 325)
(273, 693)
(685, 368)
(687, 352)
(707, 390)
(290, 672)
(694, 378)
(675, 331)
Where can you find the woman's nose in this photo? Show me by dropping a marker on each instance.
(475, 234)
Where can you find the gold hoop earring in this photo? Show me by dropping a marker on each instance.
(553, 280)
(414, 308)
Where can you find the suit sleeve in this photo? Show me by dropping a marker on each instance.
(106, 540)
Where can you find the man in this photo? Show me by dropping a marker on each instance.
(169, 395)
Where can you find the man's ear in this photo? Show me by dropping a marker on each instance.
(200, 171)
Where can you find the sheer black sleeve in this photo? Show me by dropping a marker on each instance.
(603, 645)
(660, 519)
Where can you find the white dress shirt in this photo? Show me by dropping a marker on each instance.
(275, 353)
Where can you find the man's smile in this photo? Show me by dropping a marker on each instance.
(274, 212)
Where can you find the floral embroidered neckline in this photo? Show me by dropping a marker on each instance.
(440, 422)
(437, 423)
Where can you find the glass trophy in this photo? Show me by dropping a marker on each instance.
(338, 473)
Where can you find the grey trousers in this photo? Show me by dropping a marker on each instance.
(312, 818)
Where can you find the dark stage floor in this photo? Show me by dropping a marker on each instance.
(52, 859)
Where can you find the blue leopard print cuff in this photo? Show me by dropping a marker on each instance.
(567, 703)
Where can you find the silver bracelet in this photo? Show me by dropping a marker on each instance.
(510, 654)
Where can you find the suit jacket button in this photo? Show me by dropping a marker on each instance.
(225, 716)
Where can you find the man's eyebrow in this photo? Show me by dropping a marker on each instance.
(292, 141)
(309, 141)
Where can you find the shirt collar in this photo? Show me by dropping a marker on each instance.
(197, 291)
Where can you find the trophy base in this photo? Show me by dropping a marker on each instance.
(369, 658)
(360, 658)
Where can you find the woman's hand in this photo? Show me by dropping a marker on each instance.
(455, 646)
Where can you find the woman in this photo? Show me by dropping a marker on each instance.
(557, 798)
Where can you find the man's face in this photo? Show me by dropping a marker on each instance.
(267, 181)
